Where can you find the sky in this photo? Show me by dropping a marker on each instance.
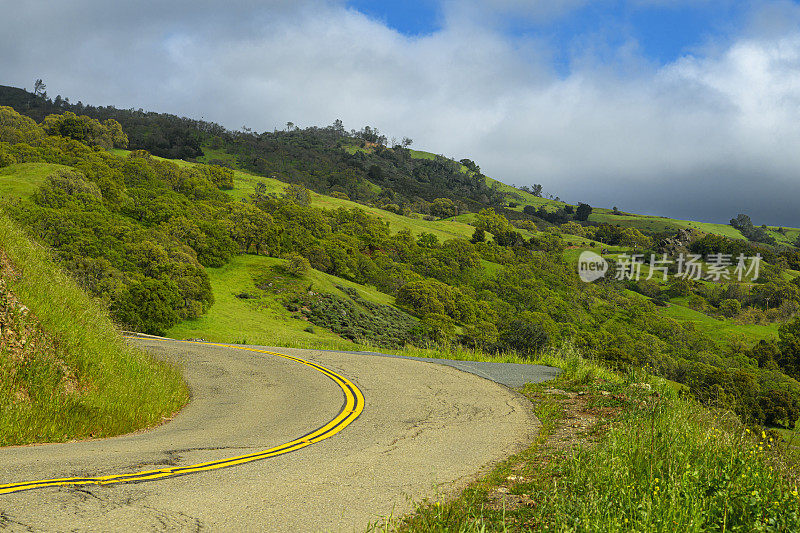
(681, 108)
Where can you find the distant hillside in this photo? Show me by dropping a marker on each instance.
(356, 165)
(312, 157)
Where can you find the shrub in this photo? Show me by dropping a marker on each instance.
(698, 303)
(523, 336)
(438, 327)
(730, 308)
(647, 287)
(296, 265)
(356, 319)
(149, 306)
(617, 358)
(479, 236)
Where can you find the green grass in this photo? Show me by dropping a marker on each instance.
(523, 198)
(789, 237)
(720, 330)
(20, 180)
(419, 154)
(490, 268)
(673, 466)
(660, 224)
(81, 379)
(218, 154)
(264, 320)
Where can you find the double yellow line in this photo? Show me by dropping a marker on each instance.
(351, 409)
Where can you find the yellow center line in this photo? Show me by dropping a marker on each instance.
(352, 408)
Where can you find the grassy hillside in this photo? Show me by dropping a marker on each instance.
(244, 185)
(65, 371)
(660, 224)
(244, 314)
(724, 330)
(264, 325)
(646, 223)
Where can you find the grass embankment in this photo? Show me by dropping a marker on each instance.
(625, 453)
(65, 371)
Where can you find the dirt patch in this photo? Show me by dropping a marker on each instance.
(584, 417)
(17, 328)
(22, 339)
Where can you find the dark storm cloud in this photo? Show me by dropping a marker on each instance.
(708, 136)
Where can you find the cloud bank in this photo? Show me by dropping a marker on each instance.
(706, 136)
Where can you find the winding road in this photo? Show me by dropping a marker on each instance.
(298, 440)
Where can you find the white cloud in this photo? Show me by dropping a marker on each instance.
(707, 136)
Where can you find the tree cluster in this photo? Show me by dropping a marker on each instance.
(138, 231)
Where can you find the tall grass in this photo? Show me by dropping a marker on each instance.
(80, 379)
(675, 466)
(665, 464)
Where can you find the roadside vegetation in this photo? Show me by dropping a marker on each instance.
(625, 452)
(65, 371)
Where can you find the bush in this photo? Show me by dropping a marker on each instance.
(524, 337)
(617, 358)
(479, 236)
(438, 327)
(730, 308)
(296, 265)
(149, 306)
(647, 287)
(698, 303)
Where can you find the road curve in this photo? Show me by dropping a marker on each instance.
(425, 429)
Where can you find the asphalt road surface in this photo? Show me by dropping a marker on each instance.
(425, 431)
